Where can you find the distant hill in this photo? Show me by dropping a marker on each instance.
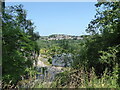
(60, 37)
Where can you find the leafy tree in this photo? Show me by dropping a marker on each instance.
(18, 43)
(105, 33)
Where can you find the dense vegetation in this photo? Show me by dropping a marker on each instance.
(98, 62)
(19, 46)
(96, 57)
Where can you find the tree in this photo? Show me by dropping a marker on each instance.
(105, 33)
(18, 43)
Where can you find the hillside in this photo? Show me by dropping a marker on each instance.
(60, 37)
(61, 61)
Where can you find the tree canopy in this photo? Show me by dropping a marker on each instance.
(18, 44)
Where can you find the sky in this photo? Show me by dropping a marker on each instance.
(69, 18)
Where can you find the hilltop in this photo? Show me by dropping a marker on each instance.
(60, 37)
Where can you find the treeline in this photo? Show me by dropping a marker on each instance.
(65, 44)
(97, 59)
(19, 47)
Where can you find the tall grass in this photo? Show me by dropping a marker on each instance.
(83, 79)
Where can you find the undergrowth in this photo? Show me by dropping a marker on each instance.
(83, 79)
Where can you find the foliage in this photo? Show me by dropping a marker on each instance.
(83, 79)
(105, 33)
(61, 80)
(96, 57)
(99, 50)
(54, 47)
(18, 43)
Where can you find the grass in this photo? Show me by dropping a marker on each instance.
(82, 79)
(43, 85)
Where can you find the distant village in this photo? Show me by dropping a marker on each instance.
(60, 37)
